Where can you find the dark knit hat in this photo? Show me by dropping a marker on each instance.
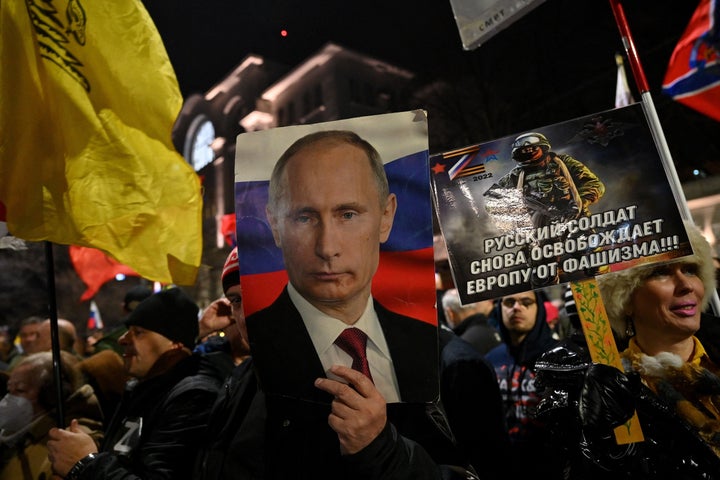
(231, 271)
(171, 313)
(135, 295)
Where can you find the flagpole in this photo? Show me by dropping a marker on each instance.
(653, 120)
(54, 334)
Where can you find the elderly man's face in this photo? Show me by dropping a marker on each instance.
(142, 348)
(24, 383)
(330, 223)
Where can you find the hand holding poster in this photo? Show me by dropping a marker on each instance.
(565, 202)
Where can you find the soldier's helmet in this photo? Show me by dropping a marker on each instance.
(527, 140)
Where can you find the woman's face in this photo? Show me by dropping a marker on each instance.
(667, 305)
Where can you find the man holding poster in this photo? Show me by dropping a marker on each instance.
(329, 210)
(333, 362)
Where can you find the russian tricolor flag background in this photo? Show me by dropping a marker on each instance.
(693, 74)
(405, 280)
(94, 318)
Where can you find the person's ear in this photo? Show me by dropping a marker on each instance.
(388, 216)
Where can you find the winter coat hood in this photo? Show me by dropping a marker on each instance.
(536, 342)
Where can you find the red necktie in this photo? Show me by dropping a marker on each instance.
(353, 341)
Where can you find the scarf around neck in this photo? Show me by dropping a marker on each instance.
(692, 387)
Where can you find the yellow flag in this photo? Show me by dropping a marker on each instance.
(88, 98)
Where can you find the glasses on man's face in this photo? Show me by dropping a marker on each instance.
(510, 302)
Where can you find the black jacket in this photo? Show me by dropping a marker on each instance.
(158, 426)
(477, 332)
(296, 440)
(233, 444)
(583, 402)
(470, 397)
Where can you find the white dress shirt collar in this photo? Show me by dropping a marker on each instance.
(324, 329)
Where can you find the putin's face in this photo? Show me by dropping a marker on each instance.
(329, 224)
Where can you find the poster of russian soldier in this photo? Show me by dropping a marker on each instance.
(561, 203)
(322, 235)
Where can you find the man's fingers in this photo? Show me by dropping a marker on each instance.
(74, 426)
(362, 384)
(337, 389)
(223, 307)
(358, 412)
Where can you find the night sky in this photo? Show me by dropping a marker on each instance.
(553, 64)
(207, 38)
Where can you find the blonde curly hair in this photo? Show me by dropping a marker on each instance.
(617, 288)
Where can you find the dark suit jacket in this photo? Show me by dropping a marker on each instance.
(299, 443)
(287, 364)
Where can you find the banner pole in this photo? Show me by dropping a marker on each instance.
(653, 120)
(54, 334)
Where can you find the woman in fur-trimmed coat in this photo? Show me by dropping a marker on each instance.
(669, 380)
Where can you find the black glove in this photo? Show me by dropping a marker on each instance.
(607, 397)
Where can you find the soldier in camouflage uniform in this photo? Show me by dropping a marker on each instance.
(556, 188)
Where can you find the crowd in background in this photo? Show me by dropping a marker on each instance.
(511, 333)
(99, 377)
(327, 383)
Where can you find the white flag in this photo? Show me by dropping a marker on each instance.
(623, 97)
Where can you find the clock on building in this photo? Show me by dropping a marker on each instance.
(198, 142)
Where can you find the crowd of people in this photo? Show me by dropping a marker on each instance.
(327, 383)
